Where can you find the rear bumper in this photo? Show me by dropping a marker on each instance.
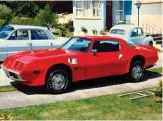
(13, 75)
(150, 66)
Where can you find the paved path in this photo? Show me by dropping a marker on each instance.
(102, 87)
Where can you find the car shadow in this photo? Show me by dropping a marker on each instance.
(82, 85)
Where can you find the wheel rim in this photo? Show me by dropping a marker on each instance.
(137, 72)
(58, 81)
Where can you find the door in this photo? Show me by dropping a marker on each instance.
(137, 36)
(18, 41)
(40, 40)
(3, 49)
(108, 14)
(107, 61)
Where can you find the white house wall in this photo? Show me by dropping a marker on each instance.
(90, 23)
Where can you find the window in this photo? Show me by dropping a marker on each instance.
(119, 11)
(134, 33)
(106, 46)
(38, 35)
(77, 44)
(90, 8)
(140, 32)
(118, 31)
(20, 35)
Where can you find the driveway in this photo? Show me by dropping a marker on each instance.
(27, 96)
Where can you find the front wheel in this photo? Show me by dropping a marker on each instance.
(57, 82)
(150, 43)
(136, 71)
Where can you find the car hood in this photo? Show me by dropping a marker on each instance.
(29, 56)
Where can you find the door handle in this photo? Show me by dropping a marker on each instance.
(121, 56)
(29, 44)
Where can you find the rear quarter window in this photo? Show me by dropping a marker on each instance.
(118, 31)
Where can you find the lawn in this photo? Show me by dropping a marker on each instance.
(109, 107)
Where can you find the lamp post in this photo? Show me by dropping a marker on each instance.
(138, 5)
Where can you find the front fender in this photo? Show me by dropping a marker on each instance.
(147, 40)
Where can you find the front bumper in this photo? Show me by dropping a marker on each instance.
(13, 75)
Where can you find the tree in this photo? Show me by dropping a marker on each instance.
(5, 13)
(46, 17)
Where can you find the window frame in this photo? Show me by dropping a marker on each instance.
(84, 9)
(8, 38)
(38, 30)
(119, 10)
(108, 40)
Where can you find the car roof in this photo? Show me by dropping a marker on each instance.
(27, 27)
(102, 37)
(126, 27)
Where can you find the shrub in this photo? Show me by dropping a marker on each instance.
(46, 17)
(158, 91)
(22, 20)
(1, 23)
(83, 29)
(5, 117)
(69, 25)
(102, 32)
(94, 31)
(5, 13)
(62, 29)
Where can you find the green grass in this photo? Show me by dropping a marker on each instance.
(156, 70)
(109, 107)
(7, 88)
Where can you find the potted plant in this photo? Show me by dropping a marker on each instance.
(83, 29)
(94, 31)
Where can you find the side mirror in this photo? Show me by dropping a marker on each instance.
(93, 51)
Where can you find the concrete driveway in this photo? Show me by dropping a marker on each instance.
(27, 96)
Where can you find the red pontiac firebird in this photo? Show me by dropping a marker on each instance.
(80, 58)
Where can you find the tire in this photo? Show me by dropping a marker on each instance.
(136, 72)
(150, 43)
(57, 82)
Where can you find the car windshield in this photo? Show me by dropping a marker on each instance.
(5, 31)
(118, 31)
(4, 34)
(77, 44)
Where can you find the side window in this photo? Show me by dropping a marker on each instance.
(106, 46)
(140, 32)
(134, 33)
(20, 35)
(38, 35)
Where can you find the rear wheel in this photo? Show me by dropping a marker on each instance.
(136, 72)
(57, 82)
(150, 43)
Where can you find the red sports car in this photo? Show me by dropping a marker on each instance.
(80, 58)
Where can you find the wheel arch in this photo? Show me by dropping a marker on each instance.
(62, 67)
(136, 58)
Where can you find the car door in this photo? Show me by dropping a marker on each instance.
(107, 61)
(137, 36)
(40, 40)
(3, 49)
(18, 41)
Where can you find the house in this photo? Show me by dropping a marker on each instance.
(102, 14)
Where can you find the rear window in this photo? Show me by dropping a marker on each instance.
(7, 28)
(117, 31)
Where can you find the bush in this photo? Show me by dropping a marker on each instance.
(158, 91)
(69, 26)
(22, 20)
(46, 17)
(62, 29)
(102, 32)
(94, 31)
(5, 117)
(83, 29)
(1, 23)
(5, 13)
